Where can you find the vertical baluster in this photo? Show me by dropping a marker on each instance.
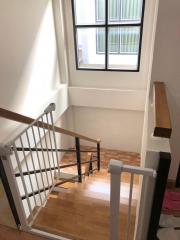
(50, 140)
(45, 139)
(32, 159)
(44, 161)
(129, 207)
(22, 178)
(90, 166)
(78, 156)
(98, 155)
(55, 144)
(27, 167)
(37, 153)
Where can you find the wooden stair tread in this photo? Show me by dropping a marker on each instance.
(80, 211)
(70, 222)
(74, 220)
(80, 207)
(84, 201)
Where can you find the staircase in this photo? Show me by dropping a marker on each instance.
(76, 198)
(81, 211)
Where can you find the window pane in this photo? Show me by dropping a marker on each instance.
(114, 7)
(131, 10)
(89, 11)
(123, 11)
(129, 40)
(114, 40)
(128, 48)
(90, 43)
(100, 10)
(100, 35)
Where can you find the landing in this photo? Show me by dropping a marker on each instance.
(81, 210)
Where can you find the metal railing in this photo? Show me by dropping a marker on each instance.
(31, 164)
(116, 168)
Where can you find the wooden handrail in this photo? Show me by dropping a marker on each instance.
(163, 126)
(27, 120)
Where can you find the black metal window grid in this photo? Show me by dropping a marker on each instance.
(108, 24)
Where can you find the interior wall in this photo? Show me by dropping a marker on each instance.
(103, 79)
(88, 92)
(29, 67)
(117, 129)
(166, 68)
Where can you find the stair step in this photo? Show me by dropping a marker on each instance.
(77, 221)
(78, 218)
(81, 204)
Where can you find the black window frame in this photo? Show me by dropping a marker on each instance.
(106, 25)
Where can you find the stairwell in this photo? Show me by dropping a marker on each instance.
(82, 210)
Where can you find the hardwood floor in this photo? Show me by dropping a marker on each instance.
(81, 210)
(8, 233)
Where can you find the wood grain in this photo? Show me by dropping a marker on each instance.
(27, 120)
(7, 233)
(163, 126)
(81, 211)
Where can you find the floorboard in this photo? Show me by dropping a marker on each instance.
(81, 210)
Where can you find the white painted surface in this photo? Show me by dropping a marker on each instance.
(28, 62)
(121, 80)
(29, 67)
(108, 98)
(146, 197)
(117, 129)
(166, 68)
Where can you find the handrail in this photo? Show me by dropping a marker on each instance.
(163, 126)
(27, 120)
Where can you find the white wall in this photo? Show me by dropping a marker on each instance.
(116, 94)
(166, 68)
(108, 98)
(29, 67)
(122, 80)
(117, 129)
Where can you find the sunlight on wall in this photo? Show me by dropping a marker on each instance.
(29, 70)
(42, 66)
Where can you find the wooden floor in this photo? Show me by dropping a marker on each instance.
(81, 210)
(7, 233)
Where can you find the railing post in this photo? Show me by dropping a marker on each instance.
(11, 185)
(90, 166)
(115, 199)
(98, 155)
(78, 156)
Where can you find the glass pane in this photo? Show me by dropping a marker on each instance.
(91, 47)
(129, 40)
(100, 10)
(114, 40)
(131, 10)
(100, 35)
(89, 11)
(114, 10)
(125, 11)
(128, 48)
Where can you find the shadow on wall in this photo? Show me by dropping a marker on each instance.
(166, 68)
(175, 138)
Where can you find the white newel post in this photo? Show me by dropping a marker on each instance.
(5, 153)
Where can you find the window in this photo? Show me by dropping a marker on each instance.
(108, 34)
